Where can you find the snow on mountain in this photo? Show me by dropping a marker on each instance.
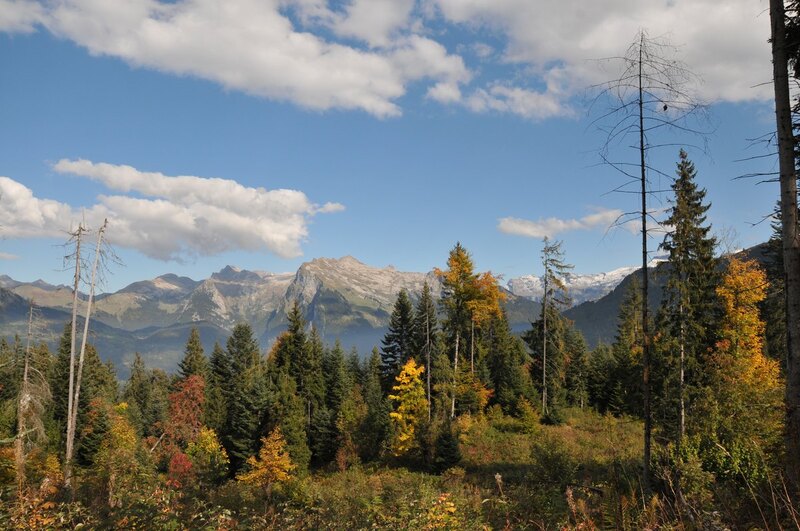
(580, 288)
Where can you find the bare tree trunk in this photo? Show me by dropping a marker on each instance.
(22, 406)
(72, 417)
(73, 337)
(455, 378)
(645, 335)
(428, 359)
(791, 245)
(544, 346)
(682, 340)
(472, 348)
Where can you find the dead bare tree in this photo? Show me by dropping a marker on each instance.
(76, 238)
(34, 392)
(652, 97)
(100, 255)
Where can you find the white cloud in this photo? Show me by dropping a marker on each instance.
(725, 43)
(515, 100)
(20, 16)
(373, 21)
(253, 46)
(8, 256)
(550, 227)
(365, 54)
(171, 218)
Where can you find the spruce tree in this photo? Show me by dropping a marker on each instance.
(689, 311)
(459, 288)
(218, 389)
(285, 409)
(375, 430)
(425, 337)
(508, 361)
(398, 341)
(626, 373)
(194, 359)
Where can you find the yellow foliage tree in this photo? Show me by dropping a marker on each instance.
(208, 457)
(746, 387)
(273, 464)
(116, 460)
(411, 408)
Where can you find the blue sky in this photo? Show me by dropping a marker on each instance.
(400, 127)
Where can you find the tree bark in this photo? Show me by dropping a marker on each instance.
(789, 237)
(544, 345)
(73, 338)
(646, 486)
(455, 378)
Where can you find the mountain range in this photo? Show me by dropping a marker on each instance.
(344, 299)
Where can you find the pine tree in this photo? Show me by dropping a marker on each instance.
(194, 359)
(689, 310)
(398, 341)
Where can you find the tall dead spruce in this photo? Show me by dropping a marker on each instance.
(76, 373)
(651, 99)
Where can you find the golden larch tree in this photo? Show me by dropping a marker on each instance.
(273, 464)
(411, 408)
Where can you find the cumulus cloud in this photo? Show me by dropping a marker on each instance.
(725, 43)
(170, 218)
(253, 46)
(20, 16)
(550, 227)
(365, 54)
(515, 100)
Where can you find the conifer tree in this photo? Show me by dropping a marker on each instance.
(136, 392)
(218, 389)
(689, 310)
(626, 373)
(194, 360)
(375, 429)
(410, 407)
(285, 409)
(245, 416)
(447, 451)
(272, 465)
(398, 341)
(554, 297)
(246, 399)
(509, 365)
(458, 289)
(425, 335)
